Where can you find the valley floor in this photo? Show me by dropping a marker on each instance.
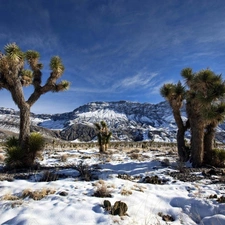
(70, 187)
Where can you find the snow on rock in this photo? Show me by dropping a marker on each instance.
(136, 121)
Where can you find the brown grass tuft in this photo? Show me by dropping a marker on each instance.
(38, 194)
(102, 191)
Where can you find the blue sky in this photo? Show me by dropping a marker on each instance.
(115, 49)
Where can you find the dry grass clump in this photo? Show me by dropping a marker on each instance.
(126, 192)
(102, 190)
(9, 197)
(35, 195)
(13, 200)
(64, 157)
(38, 194)
(138, 188)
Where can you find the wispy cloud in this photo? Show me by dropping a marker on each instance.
(143, 80)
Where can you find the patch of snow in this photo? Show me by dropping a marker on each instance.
(186, 202)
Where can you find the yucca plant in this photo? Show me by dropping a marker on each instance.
(13, 153)
(103, 135)
(35, 146)
(17, 157)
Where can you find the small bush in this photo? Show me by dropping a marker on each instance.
(49, 176)
(102, 191)
(218, 157)
(84, 170)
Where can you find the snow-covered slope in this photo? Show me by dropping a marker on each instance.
(129, 121)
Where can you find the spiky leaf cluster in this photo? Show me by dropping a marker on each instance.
(13, 53)
(56, 65)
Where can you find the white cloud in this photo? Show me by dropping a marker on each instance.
(140, 79)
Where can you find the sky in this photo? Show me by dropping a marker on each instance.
(114, 50)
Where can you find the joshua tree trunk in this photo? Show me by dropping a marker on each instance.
(24, 126)
(101, 148)
(208, 143)
(183, 154)
(197, 143)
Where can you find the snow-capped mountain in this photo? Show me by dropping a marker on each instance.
(128, 121)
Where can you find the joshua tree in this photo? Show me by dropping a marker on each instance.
(175, 94)
(103, 135)
(205, 110)
(14, 76)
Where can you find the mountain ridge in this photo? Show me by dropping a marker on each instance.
(128, 121)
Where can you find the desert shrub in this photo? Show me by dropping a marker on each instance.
(102, 191)
(49, 176)
(218, 157)
(84, 170)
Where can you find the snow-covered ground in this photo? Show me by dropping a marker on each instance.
(71, 200)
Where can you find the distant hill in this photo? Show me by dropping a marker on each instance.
(128, 121)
